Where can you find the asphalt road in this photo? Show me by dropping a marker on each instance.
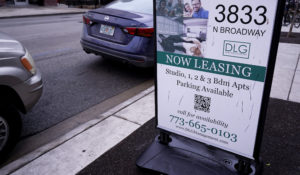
(73, 80)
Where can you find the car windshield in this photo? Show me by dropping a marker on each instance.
(140, 6)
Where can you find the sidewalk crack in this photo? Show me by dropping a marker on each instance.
(293, 79)
(127, 120)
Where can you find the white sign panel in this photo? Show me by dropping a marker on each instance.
(212, 59)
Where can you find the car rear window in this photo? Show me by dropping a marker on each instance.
(140, 6)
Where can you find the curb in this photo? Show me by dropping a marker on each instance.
(30, 157)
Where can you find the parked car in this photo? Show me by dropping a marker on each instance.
(20, 89)
(121, 29)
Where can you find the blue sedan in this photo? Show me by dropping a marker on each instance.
(121, 29)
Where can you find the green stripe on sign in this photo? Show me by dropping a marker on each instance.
(245, 71)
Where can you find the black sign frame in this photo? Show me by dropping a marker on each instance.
(267, 87)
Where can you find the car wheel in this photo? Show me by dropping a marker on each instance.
(10, 129)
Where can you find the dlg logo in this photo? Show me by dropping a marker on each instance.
(236, 49)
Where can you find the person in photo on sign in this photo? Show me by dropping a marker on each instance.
(188, 11)
(169, 8)
(199, 11)
(191, 46)
(178, 8)
(161, 10)
(167, 43)
(196, 50)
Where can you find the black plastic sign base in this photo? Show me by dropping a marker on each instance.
(183, 156)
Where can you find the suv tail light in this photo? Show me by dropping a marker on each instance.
(145, 32)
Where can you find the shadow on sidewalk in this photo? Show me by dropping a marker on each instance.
(293, 39)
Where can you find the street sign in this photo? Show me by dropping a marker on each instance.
(213, 60)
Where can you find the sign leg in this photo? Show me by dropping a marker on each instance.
(164, 138)
(243, 167)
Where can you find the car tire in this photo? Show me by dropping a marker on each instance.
(10, 130)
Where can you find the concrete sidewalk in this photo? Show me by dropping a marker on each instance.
(287, 29)
(286, 80)
(33, 10)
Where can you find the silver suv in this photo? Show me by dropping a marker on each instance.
(20, 89)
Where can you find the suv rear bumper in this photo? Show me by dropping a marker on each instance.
(137, 60)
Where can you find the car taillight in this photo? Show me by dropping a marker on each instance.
(145, 32)
(86, 20)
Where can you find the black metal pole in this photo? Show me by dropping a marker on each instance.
(269, 76)
(155, 60)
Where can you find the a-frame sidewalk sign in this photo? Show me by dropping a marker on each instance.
(214, 68)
